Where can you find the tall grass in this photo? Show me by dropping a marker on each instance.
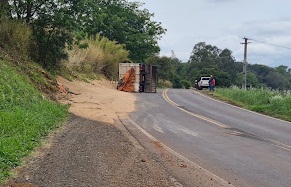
(266, 101)
(101, 56)
(165, 84)
(25, 117)
(15, 36)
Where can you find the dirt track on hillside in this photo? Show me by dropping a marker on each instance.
(92, 148)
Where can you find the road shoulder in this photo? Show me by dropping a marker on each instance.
(90, 153)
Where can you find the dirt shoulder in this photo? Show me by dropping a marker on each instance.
(92, 148)
(97, 100)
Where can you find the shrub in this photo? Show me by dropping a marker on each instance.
(15, 36)
(165, 84)
(185, 84)
(100, 56)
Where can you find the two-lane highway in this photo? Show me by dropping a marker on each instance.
(239, 147)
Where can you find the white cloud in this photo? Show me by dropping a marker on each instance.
(224, 23)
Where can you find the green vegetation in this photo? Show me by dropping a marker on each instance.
(25, 117)
(272, 103)
(15, 36)
(87, 39)
(206, 60)
(100, 56)
(57, 25)
(39, 39)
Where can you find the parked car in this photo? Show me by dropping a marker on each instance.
(203, 82)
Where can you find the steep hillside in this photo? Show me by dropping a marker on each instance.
(26, 114)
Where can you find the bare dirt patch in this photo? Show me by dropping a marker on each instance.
(97, 100)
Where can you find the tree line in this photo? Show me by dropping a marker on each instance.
(58, 24)
(51, 27)
(206, 60)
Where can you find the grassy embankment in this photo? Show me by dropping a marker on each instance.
(272, 103)
(25, 116)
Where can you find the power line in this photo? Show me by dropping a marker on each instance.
(289, 48)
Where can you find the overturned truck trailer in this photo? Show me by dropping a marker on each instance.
(137, 77)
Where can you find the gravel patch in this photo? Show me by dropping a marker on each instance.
(90, 153)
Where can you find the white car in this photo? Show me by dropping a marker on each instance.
(203, 83)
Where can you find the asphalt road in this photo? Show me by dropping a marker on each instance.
(231, 145)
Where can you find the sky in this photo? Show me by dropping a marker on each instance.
(224, 24)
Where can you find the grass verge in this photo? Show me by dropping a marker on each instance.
(273, 103)
(25, 117)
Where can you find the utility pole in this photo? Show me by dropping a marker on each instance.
(244, 82)
(173, 57)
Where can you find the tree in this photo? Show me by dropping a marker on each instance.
(226, 63)
(53, 31)
(4, 9)
(206, 60)
(52, 26)
(56, 23)
(203, 53)
(282, 69)
(27, 9)
(129, 24)
(166, 67)
(252, 80)
(185, 72)
(276, 80)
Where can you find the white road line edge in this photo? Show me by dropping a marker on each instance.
(218, 179)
